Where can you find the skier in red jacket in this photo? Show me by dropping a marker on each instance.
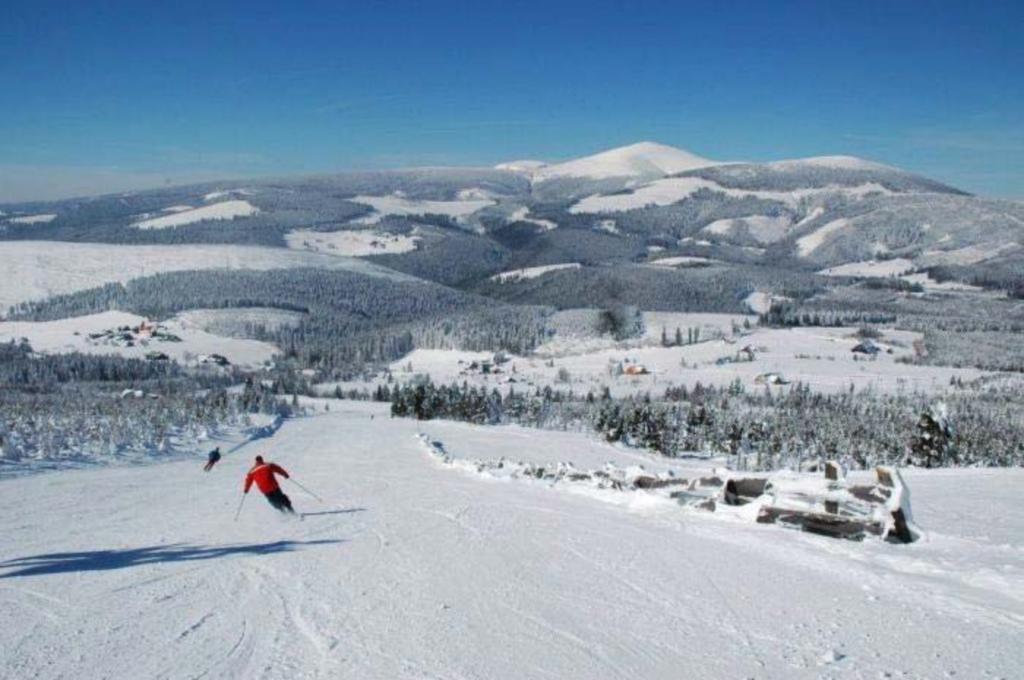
(263, 474)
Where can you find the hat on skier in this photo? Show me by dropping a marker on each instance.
(259, 460)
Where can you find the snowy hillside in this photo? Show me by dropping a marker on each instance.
(820, 358)
(38, 269)
(644, 159)
(827, 210)
(351, 243)
(189, 345)
(226, 210)
(413, 569)
(400, 205)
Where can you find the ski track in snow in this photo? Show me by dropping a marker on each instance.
(414, 569)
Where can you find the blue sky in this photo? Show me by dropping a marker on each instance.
(112, 95)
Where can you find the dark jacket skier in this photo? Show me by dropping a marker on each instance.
(212, 459)
(262, 474)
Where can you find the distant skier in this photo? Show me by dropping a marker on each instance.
(212, 459)
(263, 474)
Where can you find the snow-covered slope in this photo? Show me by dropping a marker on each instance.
(33, 219)
(832, 162)
(225, 210)
(413, 569)
(645, 159)
(72, 335)
(351, 243)
(38, 269)
(533, 272)
(400, 205)
(527, 166)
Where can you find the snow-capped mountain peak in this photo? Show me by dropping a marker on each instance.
(647, 160)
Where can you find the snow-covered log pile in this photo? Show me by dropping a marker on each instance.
(827, 505)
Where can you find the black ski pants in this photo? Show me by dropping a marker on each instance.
(280, 501)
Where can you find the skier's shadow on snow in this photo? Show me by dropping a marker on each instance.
(334, 512)
(106, 560)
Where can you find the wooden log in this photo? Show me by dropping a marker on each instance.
(742, 491)
(833, 470)
(817, 523)
(650, 482)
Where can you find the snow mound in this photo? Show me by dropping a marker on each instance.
(645, 159)
(826, 505)
(351, 243)
(226, 210)
(760, 302)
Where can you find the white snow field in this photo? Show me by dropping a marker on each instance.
(396, 204)
(351, 243)
(38, 269)
(413, 569)
(671, 190)
(523, 215)
(872, 268)
(72, 335)
(33, 219)
(808, 244)
(533, 272)
(820, 358)
(659, 192)
(225, 210)
(681, 261)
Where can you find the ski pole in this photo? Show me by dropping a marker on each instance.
(239, 511)
(306, 490)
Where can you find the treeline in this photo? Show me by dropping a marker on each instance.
(83, 408)
(21, 370)
(786, 315)
(349, 320)
(759, 430)
(719, 288)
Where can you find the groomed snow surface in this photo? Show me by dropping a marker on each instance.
(413, 569)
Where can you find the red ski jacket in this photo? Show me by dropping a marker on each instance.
(263, 475)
